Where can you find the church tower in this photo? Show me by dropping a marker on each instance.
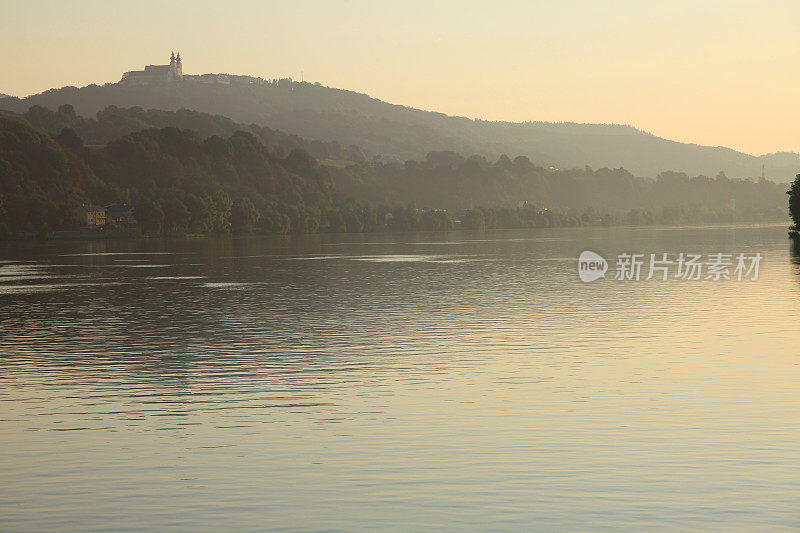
(156, 74)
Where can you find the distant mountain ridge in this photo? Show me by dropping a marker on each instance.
(115, 122)
(398, 132)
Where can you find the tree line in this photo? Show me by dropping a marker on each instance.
(115, 122)
(182, 182)
(451, 181)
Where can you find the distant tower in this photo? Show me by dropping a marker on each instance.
(155, 74)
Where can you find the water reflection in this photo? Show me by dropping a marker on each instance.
(396, 382)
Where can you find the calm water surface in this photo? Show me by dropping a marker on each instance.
(397, 382)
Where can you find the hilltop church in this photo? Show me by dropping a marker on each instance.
(163, 74)
(153, 74)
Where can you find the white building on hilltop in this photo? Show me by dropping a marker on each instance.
(153, 74)
(162, 74)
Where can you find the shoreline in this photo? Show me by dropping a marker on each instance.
(99, 235)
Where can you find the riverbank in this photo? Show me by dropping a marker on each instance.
(127, 234)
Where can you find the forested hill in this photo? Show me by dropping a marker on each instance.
(317, 112)
(175, 179)
(114, 122)
(180, 181)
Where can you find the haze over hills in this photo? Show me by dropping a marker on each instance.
(397, 132)
(115, 122)
(180, 179)
(188, 169)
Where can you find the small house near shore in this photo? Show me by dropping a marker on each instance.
(120, 215)
(95, 215)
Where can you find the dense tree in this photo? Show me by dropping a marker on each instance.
(437, 220)
(274, 221)
(381, 128)
(221, 205)
(200, 220)
(4, 229)
(114, 122)
(474, 219)
(300, 160)
(794, 201)
(181, 182)
(150, 217)
(69, 139)
(176, 215)
(243, 216)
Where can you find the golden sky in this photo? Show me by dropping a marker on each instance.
(715, 72)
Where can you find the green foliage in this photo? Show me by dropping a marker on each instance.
(115, 122)
(177, 181)
(452, 183)
(243, 216)
(69, 139)
(150, 216)
(176, 215)
(200, 219)
(437, 220)
(221, 205)
(300, 160)
(317, 112)
(5, 232)
(794, 201)
(474, 219)
(180, 181)
(274, 221)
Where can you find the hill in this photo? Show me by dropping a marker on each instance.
(180, 181)
(114, 122)
(397, 132)
(177, 181)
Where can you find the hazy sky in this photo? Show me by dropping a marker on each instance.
(717, 72)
